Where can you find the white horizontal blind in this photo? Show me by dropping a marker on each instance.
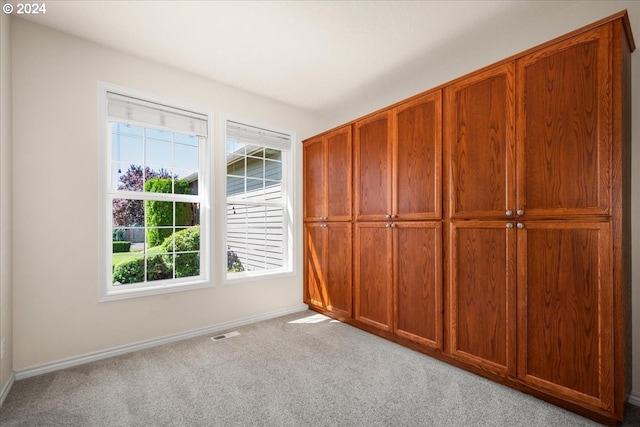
(251, 135)
(149, 114)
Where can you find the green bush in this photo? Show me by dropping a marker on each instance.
(186, 264)
(132, 271)
(119, 235)
(234, 265)
(129, 271)
(160, 213)
(157, 269)
(121, 247)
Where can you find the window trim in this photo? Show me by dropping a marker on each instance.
(105, 193)
(288, 190)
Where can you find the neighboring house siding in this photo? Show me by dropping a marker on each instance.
(254, 233)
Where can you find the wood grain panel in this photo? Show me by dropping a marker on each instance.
(564, 128)
(566, 309)
(482, 297)
(418, 152)
(621, 210)
(339, 175)
(314, 265)
(373, 155)
(418, 261)
(314, 172)
(480, 143)
(339, 268)
(373, 275)
(328, 266)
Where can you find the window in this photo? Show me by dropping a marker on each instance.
(258, 209)
(155, 197)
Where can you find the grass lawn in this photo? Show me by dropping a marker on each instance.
(120, 257)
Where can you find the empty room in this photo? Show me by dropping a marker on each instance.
(319, 213)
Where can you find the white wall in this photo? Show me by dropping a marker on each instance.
(6, 363)
(56, 227)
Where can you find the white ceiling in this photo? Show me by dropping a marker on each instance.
(322, 56)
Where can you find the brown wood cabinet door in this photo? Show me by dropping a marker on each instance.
(564, 128)
(373, 274)
(315, 276)
(418, 282)
(417, 158)
(339, 268)
(565, 310)
(482, 298)
(373, 155)
(328, 266)
(480, 145)
(328, 176)
(339, 175)
(314, 162)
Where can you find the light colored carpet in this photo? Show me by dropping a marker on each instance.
(298, 370)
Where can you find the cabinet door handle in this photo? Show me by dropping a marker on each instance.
(388, 225)
(393, 225)
(394, 216)
(520, 225)
(509, 225)
(388, 216)
(520, 212)
(509, 213)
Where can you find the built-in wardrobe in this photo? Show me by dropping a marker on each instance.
(486, 222)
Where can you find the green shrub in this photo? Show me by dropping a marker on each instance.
(160, 213)
(186, 264)
(157, 269)
(121, 247)
(119, 235)
(132, 271)
(234, 265)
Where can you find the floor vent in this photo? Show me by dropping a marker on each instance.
(225, 336)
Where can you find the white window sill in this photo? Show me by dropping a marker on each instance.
(246, 277)
(161, 288)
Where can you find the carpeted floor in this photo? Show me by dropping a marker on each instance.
(298, 370)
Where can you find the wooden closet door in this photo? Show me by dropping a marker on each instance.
(314, 162)
(373, 274)
(482, 297)
(339, 268)
(565, 310)
(417, 158)
(564, 128)
(315, 265)
(418, 282)
(480, 145)
(328, 266)
(373, 156)
(339, 175)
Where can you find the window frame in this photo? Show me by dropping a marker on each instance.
(289, 208)
(107, 291)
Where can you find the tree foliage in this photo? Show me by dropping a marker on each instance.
(187, 240)
(161, 213)
(130, 213)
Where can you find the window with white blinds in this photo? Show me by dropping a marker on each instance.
(258, 234)
(155, 196)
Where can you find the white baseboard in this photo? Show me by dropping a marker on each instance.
(92, 357)
(634, 399)
(5, 390)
